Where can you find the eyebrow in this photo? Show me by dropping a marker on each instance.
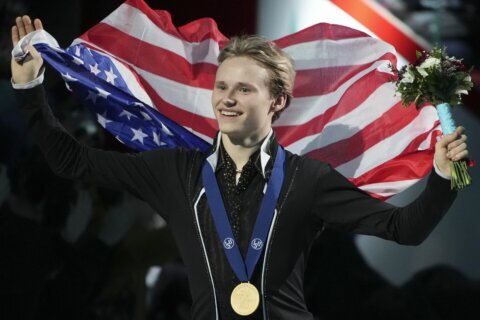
(236, 84)
(245, 84)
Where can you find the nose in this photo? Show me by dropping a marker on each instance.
(229, 100)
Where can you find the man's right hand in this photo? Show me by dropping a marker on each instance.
(28, 69)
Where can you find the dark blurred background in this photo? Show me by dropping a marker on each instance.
(70, 250)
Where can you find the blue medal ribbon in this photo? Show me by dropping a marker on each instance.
(244, 269)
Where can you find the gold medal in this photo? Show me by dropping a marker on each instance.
(245, 299)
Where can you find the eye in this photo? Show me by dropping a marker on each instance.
(220, 87)
(244, 89)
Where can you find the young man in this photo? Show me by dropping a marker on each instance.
(244, 216)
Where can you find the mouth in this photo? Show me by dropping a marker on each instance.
(230, 114)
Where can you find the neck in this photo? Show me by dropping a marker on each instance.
(240, 150)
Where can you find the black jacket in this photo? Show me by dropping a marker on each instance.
(314, 196)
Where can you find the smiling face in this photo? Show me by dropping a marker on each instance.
(241, 99)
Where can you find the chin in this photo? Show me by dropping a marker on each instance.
(229, 128)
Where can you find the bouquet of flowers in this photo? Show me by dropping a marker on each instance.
(440, 80)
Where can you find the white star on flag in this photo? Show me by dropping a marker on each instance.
(111, 76)
(165, 129)
(146, 116)
(138, 135)
(68, 77)
(94, 69)
(156, 139)
(102, 93)
(77, 51)
(103, 120)
(127, 114)
(77, 61)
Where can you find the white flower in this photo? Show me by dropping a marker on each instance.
(408, 77)
(461, 91)
(467, 78)
(428, 63)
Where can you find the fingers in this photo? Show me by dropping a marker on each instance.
(460, 156)
(454, 146)
(446, 140)
(449, 138)
(20, 27)
(23, 26)
(458, 149)
(457, 153)
(460, 130)
(27, 22)
(15, 36)
(456, 143)
(38, 24)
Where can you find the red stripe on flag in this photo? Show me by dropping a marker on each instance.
(203, 125)
(321, 31)
(195, 31)
(355, 95)
(384, 127)
(151, 58)
(381, 26)
(316, 82)
(410, 164)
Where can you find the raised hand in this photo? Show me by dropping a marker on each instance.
(452, 147)
(28, 69)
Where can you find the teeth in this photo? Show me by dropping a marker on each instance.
(229, 113)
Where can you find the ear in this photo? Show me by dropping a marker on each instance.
(279, 103)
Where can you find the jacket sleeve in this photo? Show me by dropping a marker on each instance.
(148, 175)
(341, 205)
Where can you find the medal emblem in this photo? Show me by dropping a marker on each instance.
(256, 244)
(228, 243)
(245, 299)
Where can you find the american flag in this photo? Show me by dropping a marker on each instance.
(149, 83)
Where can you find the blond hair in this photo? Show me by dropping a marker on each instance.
(276, 62)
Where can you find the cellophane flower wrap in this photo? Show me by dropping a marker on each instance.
(435, 78)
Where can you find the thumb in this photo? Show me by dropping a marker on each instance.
(447, 139)
(33, 52)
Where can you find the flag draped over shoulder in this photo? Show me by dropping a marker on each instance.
(150, 84)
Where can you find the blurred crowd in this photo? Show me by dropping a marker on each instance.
(71, 250)
(450, 23)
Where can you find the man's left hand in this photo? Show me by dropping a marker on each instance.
(452, 147)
